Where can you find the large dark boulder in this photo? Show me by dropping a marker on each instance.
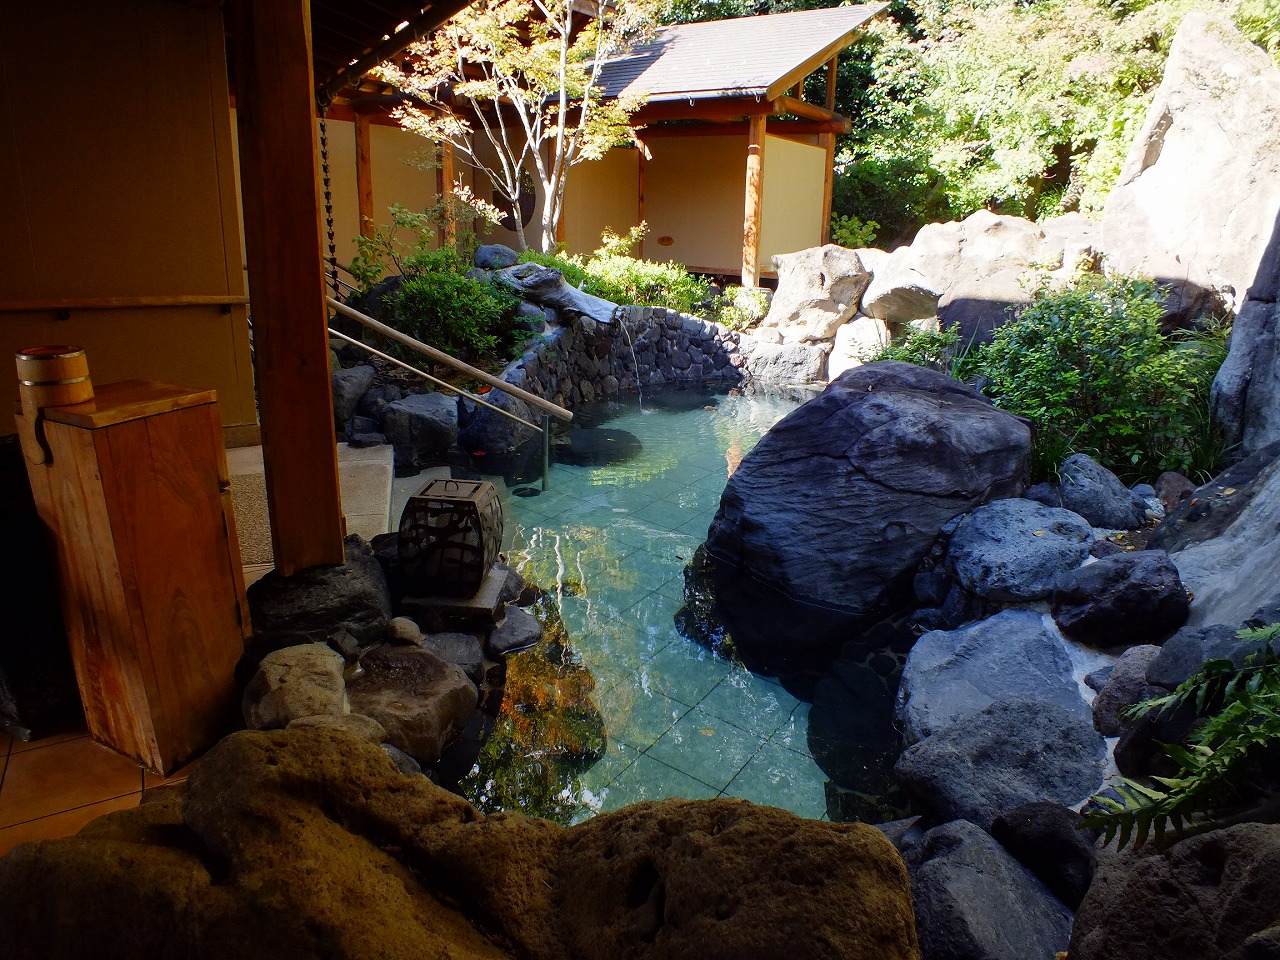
(294, 845)
(1047, 839)
(313, 604)
(953, 674)
(423, 426)
(349, 385)
(851, 733)
(974, 901)
(1215, 895)
(1013, 752)
(1125, 686)
(1013, 550)
(821, 528)
(1128, 598)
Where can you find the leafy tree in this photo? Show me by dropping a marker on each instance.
(513, 87)
(1223, 771)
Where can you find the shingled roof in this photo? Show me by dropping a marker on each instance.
(747, 56)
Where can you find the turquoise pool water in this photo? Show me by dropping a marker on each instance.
(609, 543)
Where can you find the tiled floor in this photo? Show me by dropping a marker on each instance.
(52, 787)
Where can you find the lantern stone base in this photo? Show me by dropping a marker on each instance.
(486, 608)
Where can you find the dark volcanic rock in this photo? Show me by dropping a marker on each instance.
(311, 605)
(1128, 598)
(954, 674)
(851, 733)
(1013, 550)
(1013, 752)
(1126, 685)
(297, 845)
(974, 901)
(1046, 839)
(1097, 494)
(822, 527)
(1216, 895)
(349, 385)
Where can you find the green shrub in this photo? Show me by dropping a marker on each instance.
(441, 306)
(572, 268)
(936, 349)
(852, 232)
(739, 308)
(1091, 370)
(627, 280)
(1223, 769)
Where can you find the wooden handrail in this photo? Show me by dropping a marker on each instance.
(441, 357)
(436, 380)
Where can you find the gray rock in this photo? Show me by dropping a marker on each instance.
(483, 430)
(517, 630)
(1125, 686)
(1186, 651)
(898, 292)
(1194, 213)
(1172, 488)
(424, 423)
(1128, 598)
(1046, 838)
(462, 649)
(312, 604)
(376, 399)
(1215, 895)
(973, 901)
(976, 308)
(1246, 390)
(403, 630)
(953, 674)
(823, 525)
(495, 256)
(857, 342)
(295, 682)
(349, 385)
(818, 290)
(1223, 540)
(356, 724)
(1097, 494)
(1014, 752)
(422, 701)
(408, 766)
(796, 363)
(1014, 550)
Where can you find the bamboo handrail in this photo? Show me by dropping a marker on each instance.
(441, 357)
(436, 380)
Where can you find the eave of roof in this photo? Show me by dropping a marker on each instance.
(748, 56)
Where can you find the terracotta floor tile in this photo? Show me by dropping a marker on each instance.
(64, 776)
(22, 746)
(61, 824)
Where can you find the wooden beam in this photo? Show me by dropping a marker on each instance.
(364, 177)
(739, 128)
(807, 111)
(732, 109)
(122, 303)
(275, 99)
(641, 163)
(754, 202)
(828, 142)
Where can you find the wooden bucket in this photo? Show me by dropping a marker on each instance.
(52, 376)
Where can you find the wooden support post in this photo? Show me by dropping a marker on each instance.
(444, 190)
(754, 202)
(640, 172)
(364, 176)
(828, 142)
(275, 104)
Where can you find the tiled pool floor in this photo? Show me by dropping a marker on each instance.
(612, 542)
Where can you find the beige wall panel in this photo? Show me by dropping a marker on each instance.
(342, 188)
(131, 196)
(792, 216)
(694, 189)
(199, 347)
(602, 194)
(397, 175)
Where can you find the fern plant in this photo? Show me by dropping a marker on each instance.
(1217, 781)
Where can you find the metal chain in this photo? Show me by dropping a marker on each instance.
(328, 205)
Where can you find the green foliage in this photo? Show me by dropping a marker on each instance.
(849, 231)
(936, 349)
(1091, 370)
(392, 245)
(617, 276)
(1259, 20)
(738, 308)
(1219, 767)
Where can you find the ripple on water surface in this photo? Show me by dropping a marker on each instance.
(608, 541)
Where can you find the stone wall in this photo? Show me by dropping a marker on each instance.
(646, 346)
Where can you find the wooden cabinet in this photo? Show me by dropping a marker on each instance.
(137, 495)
